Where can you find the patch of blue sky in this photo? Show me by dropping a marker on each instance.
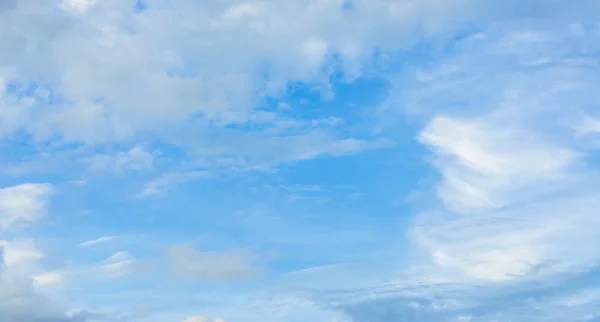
(140, 6)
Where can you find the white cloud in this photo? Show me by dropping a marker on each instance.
(20, 302)
(163, 183)
(516, 195)
(242, 10)
(136, 159)
(126, 55)
(501, 224)
(22, 251)
(483, 162)
(589, 125)
(25, 203)
(20, 258)
(23, 259)
(47, 278)
(101, 67)
(21, 276)
(264, 150)
(97, 241)
(212, 266)
(2, 87)
(77, 6)
(508, 231)
(117, 265)
(315, 51)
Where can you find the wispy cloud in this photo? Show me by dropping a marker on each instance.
(511, 220)
(512, 193)
(510, 202)
(223, 266)
(117, 265)
(164, 182)
(97, 241)
(78, 182)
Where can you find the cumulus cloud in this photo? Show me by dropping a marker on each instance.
(128, 53)
(121, 73)
(19, 301)
(20, 251)
(23, 204)
(23, 258)
(104, 59)
(212, 266)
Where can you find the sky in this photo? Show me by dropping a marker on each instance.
(299, 160)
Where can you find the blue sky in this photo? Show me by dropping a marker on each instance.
(299, 160)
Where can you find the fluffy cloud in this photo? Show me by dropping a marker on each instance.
(23, 204)
(19, 254)
(21, 261)
(112, 73)
(20, 271)
(22, 258)
(123, 72)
